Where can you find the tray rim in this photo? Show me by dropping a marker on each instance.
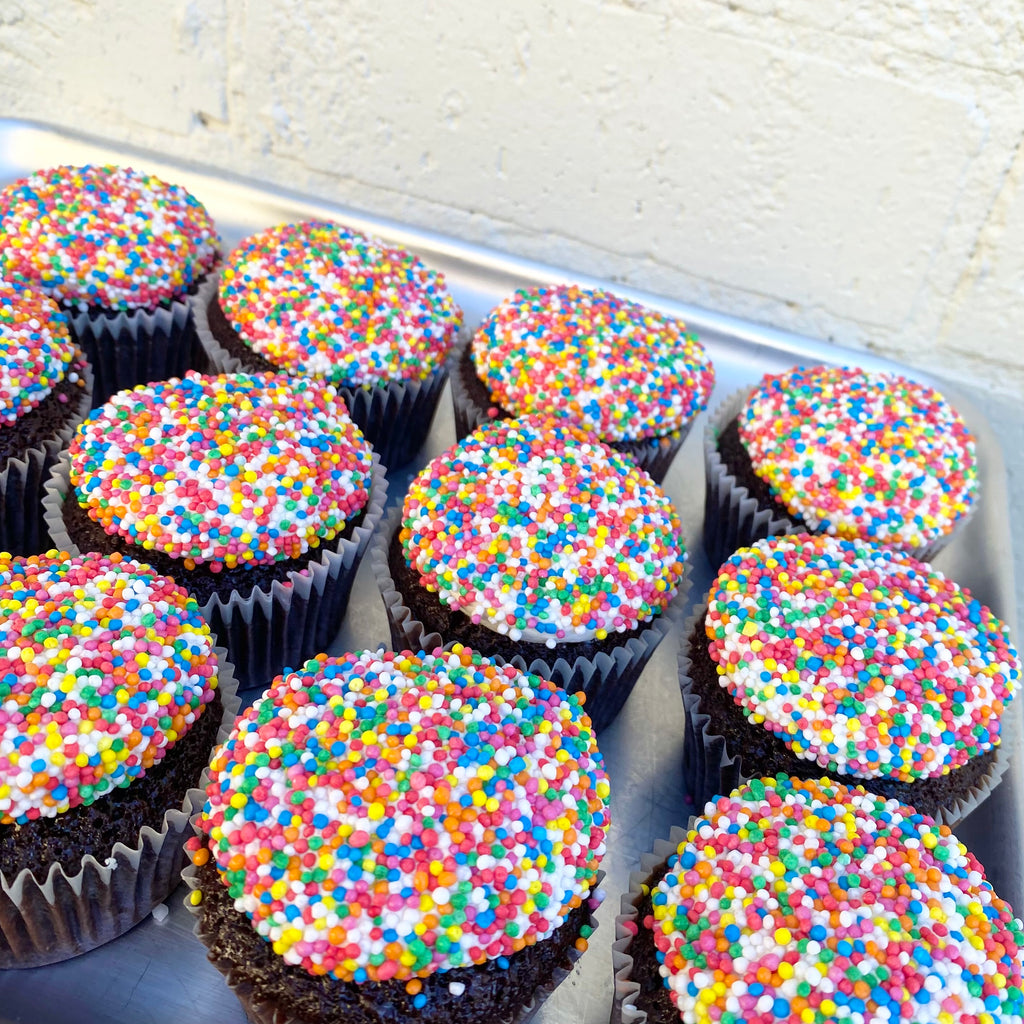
(699, 318)
(736, 334)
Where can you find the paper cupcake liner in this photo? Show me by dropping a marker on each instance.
(467, 412)
(22, 524)
(198, 301)
(654, 455)
(624, 1008)
(44, 923)
(606, 679)
(710, 768)
(263, 1011)
(394, 417)
(732, 519)
(126, 348)
(268, 631)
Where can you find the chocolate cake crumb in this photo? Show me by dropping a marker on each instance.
(266, 979)
(737, 463)
(653, 997)
(61, 407)
(116, 817)
(201, 582)
(231, 341)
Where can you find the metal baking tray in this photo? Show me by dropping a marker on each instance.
(159, 972)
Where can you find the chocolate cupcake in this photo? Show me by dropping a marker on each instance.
(255, 492)
(121, 252)
(321, 300)
(849, 452)
(818, 655)
(401, 836)
(45, 392)
(111, 699)
(628, 373)
(808, 901)
(541, 547)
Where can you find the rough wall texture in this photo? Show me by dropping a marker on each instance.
(852, 171)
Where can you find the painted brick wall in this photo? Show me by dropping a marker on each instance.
(852, 171)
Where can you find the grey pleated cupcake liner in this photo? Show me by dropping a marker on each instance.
(395, 418)
(654, 455)
(263, 1011)
(22, 523)
(468, 414)
(710, 768)
(138, 346)
(732, 519)
(22, 528)
(607, 679)
(624, 1008)
(276, 629)
(45, 923)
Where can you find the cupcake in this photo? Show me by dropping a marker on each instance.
(537, 545)
(849, 452)
(809, 901)
(630, 374)
(255, 492)
(321, 300)
(121, 252)
(44, 394)
(817, 655)
(111, 700)
(401, 836)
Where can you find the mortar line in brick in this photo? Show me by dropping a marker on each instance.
(987, 235)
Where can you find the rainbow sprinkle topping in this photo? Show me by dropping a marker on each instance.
(811, 902)
(537, 530)
(321, 299)
(104, 666)
(386, 815)
(36, 350)
(861, 454)
(622, 370)
(105, 237)
(860, 658)
(237, 469)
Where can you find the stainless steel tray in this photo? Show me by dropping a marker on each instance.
(159, 972)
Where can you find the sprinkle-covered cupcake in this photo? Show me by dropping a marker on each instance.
(321, 300)
(111, 698)
(817, 655)
(121, 251)
(538, 545)
(628, 373)
(256, 492)
(401, 836)
(45, 392)
(849, 452)
(808, 901)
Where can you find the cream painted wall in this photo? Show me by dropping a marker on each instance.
(848, 170)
